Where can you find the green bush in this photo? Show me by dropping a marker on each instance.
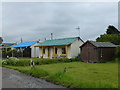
(23, 62)
(57, 60)
(113, 38)
(4, 62)
(11, 61)
(26, 61)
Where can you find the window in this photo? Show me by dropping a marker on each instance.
(43, 50)
(55, 50)
(63, 51)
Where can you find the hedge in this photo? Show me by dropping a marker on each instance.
(26, 61)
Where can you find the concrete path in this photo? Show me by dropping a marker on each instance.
(15, 79)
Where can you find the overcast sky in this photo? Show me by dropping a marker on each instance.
(32, 21)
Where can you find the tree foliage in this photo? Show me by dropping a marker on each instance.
(113, 38)
(1, 39)
(112, 35)
(112, 30)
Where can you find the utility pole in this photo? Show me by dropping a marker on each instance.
(78, 28)
(51, 36)
(45, 39)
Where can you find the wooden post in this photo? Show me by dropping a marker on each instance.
(39, 52)
(6, 49)
(34, 51)
(42, 51)
(12, 52)
(54, 51)
(66, 48)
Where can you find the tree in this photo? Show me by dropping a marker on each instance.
(112, 35)
(112, 30)
(1, 40)
(113, 38)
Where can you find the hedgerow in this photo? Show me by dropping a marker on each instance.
(26, 61)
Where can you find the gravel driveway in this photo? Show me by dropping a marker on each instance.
(15, 79)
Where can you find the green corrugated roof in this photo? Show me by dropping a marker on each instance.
(7, 46)
(64, 41)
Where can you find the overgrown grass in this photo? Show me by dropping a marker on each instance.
(77, 75)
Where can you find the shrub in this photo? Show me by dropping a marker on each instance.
(26, 61)
(57, 60)
(11, 61)
(23, 62)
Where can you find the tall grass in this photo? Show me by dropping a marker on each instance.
(74, 77)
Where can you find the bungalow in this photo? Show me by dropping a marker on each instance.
(25, 49)
(56, 48)
(92, 51)
(5, 47)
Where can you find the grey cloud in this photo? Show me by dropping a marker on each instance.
(33, 21)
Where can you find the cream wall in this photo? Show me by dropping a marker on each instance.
(32, 50)
(69, 51)
(40, 52)
(75, 50)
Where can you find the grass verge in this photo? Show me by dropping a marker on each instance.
(77, 75)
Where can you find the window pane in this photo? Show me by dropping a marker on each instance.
(63, 51)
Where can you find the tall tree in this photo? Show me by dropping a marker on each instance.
(112, 30)
(114, 38)
(1, 40)
(112, 35)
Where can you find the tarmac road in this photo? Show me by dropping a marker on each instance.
(15, 79)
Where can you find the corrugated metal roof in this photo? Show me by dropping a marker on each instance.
(63, 41)
(103, 44)
(8, 45)
(8, 42)
(25, 44)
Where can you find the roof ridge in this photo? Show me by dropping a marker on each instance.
(62, 41)
(63, 38)
(100, 42)
(28, 41)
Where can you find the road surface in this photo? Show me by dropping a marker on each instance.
(15, 79)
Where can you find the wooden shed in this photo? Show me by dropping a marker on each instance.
(92, 51)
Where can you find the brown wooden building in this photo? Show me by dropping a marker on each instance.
(92, 51)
